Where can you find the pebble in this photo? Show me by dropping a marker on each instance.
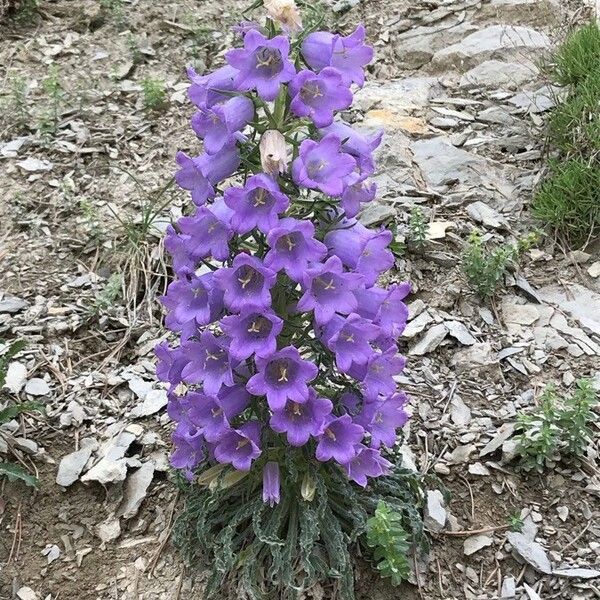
(37, 387)
(430, 341)
(475, 543)
(435, 514)
(72, 465)
(136, 488)
(16, 376)
(530, 551)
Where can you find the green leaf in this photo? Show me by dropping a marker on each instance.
(16, 473)
(14, 410)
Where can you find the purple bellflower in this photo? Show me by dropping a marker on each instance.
(293, 247)
(247, 281)
(208, 90)
(329, 290)
(271, 491)
(338, 440)
(254, 330)
(300, 421)
(239, 447)
(262, 64)
(318, 96)
(349, 54)
(321, 165)
(366, 463)
(282, 376)
(257, 204)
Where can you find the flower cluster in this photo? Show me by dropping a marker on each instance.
(285, 338)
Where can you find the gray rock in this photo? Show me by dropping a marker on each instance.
(136, 488)
(521, 314)
(400, 96)
(578, 573)
(478, 469)
(496, 114)
(435, 514)
(460, 332)
(580, 302)
(461, 454)
(503, 433)
(529, 551)
(509, 588)
(417, 325)
(495, 74)
(475, 543)
(37, 387)
(522, 12)
(430, 341)
(12, 304)
(460, 413)
(107, 471)
(26, 593)
(537, 101)
(72, 465)
(154, 401)
(477, 356)
(16, 375)
(594, 269)
(493, 42)
(376, 213)
(109, 530)
(344, 5)
(480, 212)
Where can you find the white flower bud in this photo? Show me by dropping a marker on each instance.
(273, 152)
(285, 12)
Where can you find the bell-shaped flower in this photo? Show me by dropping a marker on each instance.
(329, 290)
(207, 90)
(239, 447)
(271, 491)
(256, 204)
(383, 417)
(359, 146)
(357, 191)
(254, 330)
(220, 125)
(262, 64)
(300, 421)
(351, 342)
(209, 363)
(282, 376)
(367, 462)
(247, 281)
(321, 165)
(348, 54)
(319, 95)
(189, 448)
(293, 246)
(339, 439)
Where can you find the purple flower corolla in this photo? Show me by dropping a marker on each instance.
(383, 417)
(356, 144)
(213, 415)
(176, 246)
(351, 342)
(193, 300)
(282, 376)
(220, 124)
(247, 281)
(338, 440)
(170, 364)
(271, 492)
(189, 448)
(209, 363)
(348, 54)
(300, 421)
(321, 165)
(293, 246)
(367, 463)
(262, 64)
(385, 307)
(329, 290)
(208, 90)
(239, 447)
(318, 96)
(254, 330)
(199, 175)
(257, 204)
(208, 231)
(377, 376)
(357, 191)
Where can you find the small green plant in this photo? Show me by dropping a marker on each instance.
(389, 541)
(10, 411)
(13, 105)
(417, 227)
(578, 57)
(515, 522)
(569, 200)
(55, 93)
(109, 294)
(553, 431)
(485, 268)
(116, 9)
(155, 94)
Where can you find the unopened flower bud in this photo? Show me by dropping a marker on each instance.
(308, 488)
(208, 476)
(228, 480)
(273, 152)
(285, 12)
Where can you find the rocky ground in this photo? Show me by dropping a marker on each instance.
(457, 88)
